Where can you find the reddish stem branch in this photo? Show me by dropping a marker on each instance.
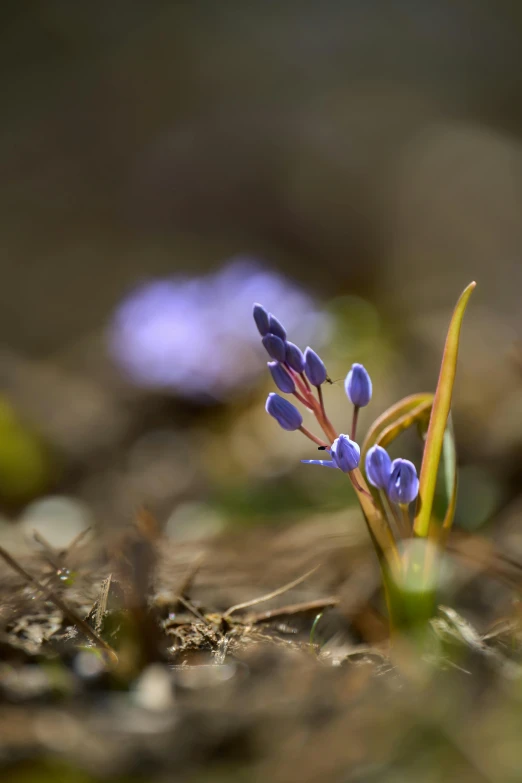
(313, 437)
(302, 399)
(298, 382)
(321, 400)
(358, 486)
(305, 381)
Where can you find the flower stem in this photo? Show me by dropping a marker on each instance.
(378, 526)
(354, 421)
(325, 424)
(320, 414)
(303, 388)
(405, 520)
(302, 399)
(401, 517)
(305, 381)
(357, 486)
(321, 400)
(313, 437)
(389, 512)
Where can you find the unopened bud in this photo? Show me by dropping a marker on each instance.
(346, 453)
(378, 467)
(276, 327)
(314, 368)
(295, 357)
(286, 414)
(403, 486)
(358, 386)
(282, 378)
(262, 318)
(274, 346)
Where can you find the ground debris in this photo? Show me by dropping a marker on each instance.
(242, 690)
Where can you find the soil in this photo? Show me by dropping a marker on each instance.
(140, 658)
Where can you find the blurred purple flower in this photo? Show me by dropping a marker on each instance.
(195, 336)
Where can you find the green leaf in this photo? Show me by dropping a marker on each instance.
(396, 419)
(449, 455)
(438, 419)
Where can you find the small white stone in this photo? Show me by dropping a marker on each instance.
(57, 518)
(153, 689)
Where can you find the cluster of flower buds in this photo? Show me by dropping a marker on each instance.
(398, 478)
(298, 373)
(289, 360)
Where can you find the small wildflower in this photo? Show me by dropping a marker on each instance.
(314, 368)
(275, 347)
(282, 378)
(262, 319)
(358, 386)
(403, 486)
(378, 467)
(346, 453)
(276, 327)
(295, 357)
(286, 414)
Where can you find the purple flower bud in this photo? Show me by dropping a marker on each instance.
(358, 386)
(295, 358)
(286, 414)
(346, 453)
(314, 368)
(275, 347)
(403, 486)
(276, 327)
(378, 467)
(262, 319)
(282, 379)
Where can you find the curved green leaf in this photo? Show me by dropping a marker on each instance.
(396, 419)
(439, 418)
(449, 454)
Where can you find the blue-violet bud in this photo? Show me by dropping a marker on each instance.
(262, 318)
(282, 379)
(403, 486)
(295, 357)
(314, 368)
(346, 453)
(275, 347)
(276, 327)
(286, 414)
(378, 467)
(358, 386)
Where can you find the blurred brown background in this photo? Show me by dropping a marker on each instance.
(362, 149)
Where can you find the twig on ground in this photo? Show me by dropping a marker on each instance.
(101, 606)
(85, 628)
(273, 594)
(290, 609)
(188, 578)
